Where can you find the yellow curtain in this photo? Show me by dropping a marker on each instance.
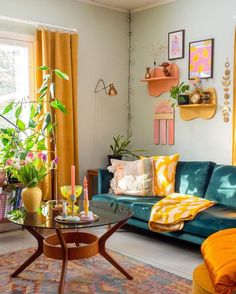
(234, 108)
(60, 50)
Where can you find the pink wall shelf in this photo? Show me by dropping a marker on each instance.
(159, 83)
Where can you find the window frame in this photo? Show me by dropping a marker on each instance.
(23, 40)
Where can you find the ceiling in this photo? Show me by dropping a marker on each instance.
(127, 5)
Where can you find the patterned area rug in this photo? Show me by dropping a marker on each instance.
(94, 275)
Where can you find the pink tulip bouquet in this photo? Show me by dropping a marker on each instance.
(32, 170)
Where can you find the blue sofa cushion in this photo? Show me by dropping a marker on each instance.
(192, 177)
(126, 200)
(211, 220)
(207, 222)
(222, 185)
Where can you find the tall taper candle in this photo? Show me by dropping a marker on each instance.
(86, 201)
(73, 180)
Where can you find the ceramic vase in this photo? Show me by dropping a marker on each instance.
(31, 198)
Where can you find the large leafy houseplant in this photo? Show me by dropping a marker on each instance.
(26, 133)
(31, 132)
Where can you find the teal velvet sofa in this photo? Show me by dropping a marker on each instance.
(200, 178)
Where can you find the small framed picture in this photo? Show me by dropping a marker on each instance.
(201, 59)
(176, 45)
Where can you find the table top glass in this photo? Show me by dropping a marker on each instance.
(108, 213)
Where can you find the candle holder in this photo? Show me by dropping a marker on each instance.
(66, 192)
(86, 214)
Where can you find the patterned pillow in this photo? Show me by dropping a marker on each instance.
(132, 177)
(164, 168)
(115, 163)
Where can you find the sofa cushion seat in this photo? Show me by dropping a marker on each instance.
(211, 220)
(107, 197)
(126, 200)
(207, 222)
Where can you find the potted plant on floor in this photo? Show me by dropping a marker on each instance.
(178, 93)
(120, 148)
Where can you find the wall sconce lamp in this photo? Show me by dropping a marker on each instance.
(112, 90)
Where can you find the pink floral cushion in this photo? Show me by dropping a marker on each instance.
(132, 177)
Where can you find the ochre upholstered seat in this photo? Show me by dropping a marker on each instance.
(201, 281)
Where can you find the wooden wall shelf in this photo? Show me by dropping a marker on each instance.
(205, 111)
(159, 83)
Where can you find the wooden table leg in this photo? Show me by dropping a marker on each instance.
(103, 252)
(64, 261)
(36, 254)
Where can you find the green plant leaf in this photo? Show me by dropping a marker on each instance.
(47, 120)
(44, 67)
(58, 105)
(41, 145)
(43, 90)
(61, 74)
(42, 95)
(32, 124)
(8, 108)
(39, 108)
(18, 111)
(20, 124)
(32, 111)
(30, 144)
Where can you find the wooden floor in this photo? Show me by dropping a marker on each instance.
(166, 253)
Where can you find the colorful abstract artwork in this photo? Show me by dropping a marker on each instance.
(201, 59)
(176, 45)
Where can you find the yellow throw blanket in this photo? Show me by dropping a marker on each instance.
(169, 214)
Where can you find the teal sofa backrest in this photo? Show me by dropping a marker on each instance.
(192, 177)
(222, 185)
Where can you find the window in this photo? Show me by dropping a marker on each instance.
(16, 71)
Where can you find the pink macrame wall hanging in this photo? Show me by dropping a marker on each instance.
(164, 124)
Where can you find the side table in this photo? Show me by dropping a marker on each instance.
(90, 174)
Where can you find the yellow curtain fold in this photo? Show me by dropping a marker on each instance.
(60, 50)
(234, 108)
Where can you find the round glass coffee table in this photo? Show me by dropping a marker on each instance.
(70, 245)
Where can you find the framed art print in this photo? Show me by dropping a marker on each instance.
(201, 59)
(176, 45)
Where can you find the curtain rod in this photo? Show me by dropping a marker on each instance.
(37, 24)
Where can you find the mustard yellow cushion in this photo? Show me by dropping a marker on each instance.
(219, 253)
(201, 281)
(164, 168)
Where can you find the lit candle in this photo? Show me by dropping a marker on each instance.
(86, 201)
(73, 180)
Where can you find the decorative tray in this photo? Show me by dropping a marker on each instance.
(59, 219)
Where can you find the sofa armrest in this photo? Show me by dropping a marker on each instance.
(104, 177)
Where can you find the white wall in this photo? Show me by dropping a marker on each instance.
(103, 53)
(197, 139)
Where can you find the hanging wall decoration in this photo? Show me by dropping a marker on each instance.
(176, 45)
(226, 81)
(201, 59)
(164, 124)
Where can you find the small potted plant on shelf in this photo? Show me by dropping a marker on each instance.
(120, 148)
(178, 93)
